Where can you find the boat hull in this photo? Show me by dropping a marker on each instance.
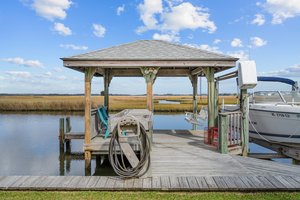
(276, 123)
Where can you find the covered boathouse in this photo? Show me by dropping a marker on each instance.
(149, 59)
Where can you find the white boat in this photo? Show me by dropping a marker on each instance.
(274, 116)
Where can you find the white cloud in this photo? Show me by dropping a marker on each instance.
(120, 9)
(19, 74)
(205, 47)
(236, 42)
(73, 46)
(22, 61)
(51, 9)
(258, 20)
(62, 29)
(282, 9)
(174, 18)
(242, 55)
(257, 42)
(217, 41)
(48, 74)
(148, 10)
(293, 71)
(187, 16)
(166, 37)
(99, 30)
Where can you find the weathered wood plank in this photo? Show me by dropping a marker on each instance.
(82, 182)
(165, 183)
(201, 182)
(211, 182)
(147, 183)
(288, 183)
(276, 182)
(265, 182)
(61, 182)
(174, 184)
(19, 182)
(138, 183)
(110, 183)
(92, 182)
(129, 183)
(193, 184)
(156, 183)
(119, 184)
(220, 182)
(183, 183)
(8, 180)
(102, 182)
(238, 182)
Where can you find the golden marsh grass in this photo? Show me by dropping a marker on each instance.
(117, 103)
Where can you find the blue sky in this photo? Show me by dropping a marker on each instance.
(36, 33)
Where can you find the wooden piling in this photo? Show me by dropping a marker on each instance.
(68, 130)
(245, 121)
(223, 133)
(89, 73)
(61, 134)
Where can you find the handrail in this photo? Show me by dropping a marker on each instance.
(230, 130)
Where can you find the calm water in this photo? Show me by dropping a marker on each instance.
(29, 144)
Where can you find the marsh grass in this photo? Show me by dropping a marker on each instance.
(117, 103)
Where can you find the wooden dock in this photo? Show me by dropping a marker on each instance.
(180, 162)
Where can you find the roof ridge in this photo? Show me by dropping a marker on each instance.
(194, 48)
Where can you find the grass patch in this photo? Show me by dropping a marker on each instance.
(117, 103)
(150, 195)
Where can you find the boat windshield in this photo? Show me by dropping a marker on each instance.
(276, 97)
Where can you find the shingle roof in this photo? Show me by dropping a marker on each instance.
(151, 50)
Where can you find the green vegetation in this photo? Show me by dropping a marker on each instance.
(117, 103)
(150, 195)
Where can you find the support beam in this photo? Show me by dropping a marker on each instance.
(244, 101)
(194, 81)
(107, 79)
(89, 73)
(209, 73)
(149, 74)
(197, 71)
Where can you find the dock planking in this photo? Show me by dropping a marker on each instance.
(180, 162)
(189, 183)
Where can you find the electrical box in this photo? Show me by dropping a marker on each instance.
(247, 77)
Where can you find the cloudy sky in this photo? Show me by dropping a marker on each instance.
(36, 33)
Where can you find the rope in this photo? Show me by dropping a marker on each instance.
(116, 155)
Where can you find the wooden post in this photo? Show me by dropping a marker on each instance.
(209, 72)
(61, 135)
(107, 79)
(149, 74)
(89, 72)
(68, 129)
(216, 103)
(194, 81)
(61, 147)
(244, 101)
(223, 133)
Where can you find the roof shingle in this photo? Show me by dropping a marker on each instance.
(151, 50)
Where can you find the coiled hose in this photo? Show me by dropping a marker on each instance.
(116, 155)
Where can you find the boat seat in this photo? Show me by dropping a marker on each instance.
(102, 113)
